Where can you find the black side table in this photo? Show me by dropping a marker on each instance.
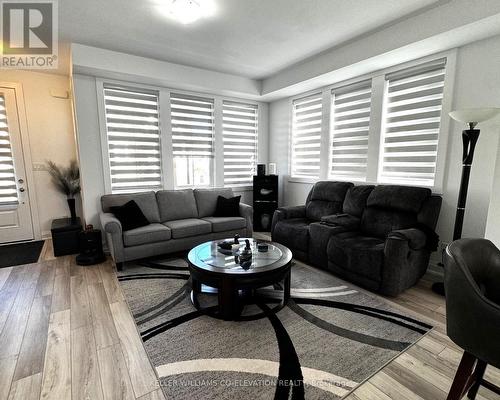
(265, 201)
(65, 236)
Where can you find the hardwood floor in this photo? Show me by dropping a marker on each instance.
(66, 333)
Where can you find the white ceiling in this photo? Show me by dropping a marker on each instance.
(251, 38)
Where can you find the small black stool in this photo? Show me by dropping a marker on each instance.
(65, 236)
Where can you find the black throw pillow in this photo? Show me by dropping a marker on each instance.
(228, 207)
(130, 215)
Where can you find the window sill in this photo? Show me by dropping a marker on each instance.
(193, 187)
(292, 179)
(241, 188)
(436, 190)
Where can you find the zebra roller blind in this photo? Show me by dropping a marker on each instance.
(306, 136)
(240, 132)
(412, 123)
(133, 136)
(8, 189)
(350, 128)
(192, 125)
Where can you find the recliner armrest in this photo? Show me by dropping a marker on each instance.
(347, 221)
(283, 213)
(416, 238)
(293, 211)
(110, 224)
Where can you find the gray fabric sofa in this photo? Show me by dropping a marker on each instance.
(370, 235)
(179, 220)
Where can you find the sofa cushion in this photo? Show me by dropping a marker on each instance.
(319, 236)
(221, 224)
(151, 233)
(357, 253)
(326, 198)
(206, 200)
(330, 191)
(293, 233)
(188, 227)
(380, 222)
(145, 200)
(429, 213)
(355, 199)
(316, 209)
(401, 198)
(130, 215)
(228, 207)
(176, 204)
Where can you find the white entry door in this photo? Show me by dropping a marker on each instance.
(15, 211)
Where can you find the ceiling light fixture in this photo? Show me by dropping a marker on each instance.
(187, 11)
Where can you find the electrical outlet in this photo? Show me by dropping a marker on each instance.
(60, 94)
(39, 167)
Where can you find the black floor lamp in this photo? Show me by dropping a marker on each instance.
(471, 117)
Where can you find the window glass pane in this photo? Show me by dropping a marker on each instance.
(240, 133)
(8, 188)
(192, 120)
(192, 171)
(306, 136)
(133, 137)
(413, 104)
(351, 109)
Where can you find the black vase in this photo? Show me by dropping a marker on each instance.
(72, 210)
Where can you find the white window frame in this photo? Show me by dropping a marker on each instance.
(217, 164)
(104, 134)
(291, 100)
(377, 120)
(169, 133)
(257, 147)
(331, 134)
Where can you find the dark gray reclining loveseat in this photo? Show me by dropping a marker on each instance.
(374, 236)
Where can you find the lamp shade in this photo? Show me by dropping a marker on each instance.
(474, 115)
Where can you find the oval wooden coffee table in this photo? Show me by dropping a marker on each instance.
(214, 271)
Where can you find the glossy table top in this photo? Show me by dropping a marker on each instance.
(211, 257)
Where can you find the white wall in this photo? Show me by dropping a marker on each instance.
(90, 152)
(493, 221)
(450, 24)
(114, 65)
(51, 136)
(477, 84)
(89, 146)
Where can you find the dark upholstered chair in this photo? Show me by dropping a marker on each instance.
(290, 225)
(472, 286)
(386, 251)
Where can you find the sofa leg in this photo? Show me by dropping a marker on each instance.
(119, 266)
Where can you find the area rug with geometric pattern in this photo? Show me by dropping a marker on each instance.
(329, 338)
